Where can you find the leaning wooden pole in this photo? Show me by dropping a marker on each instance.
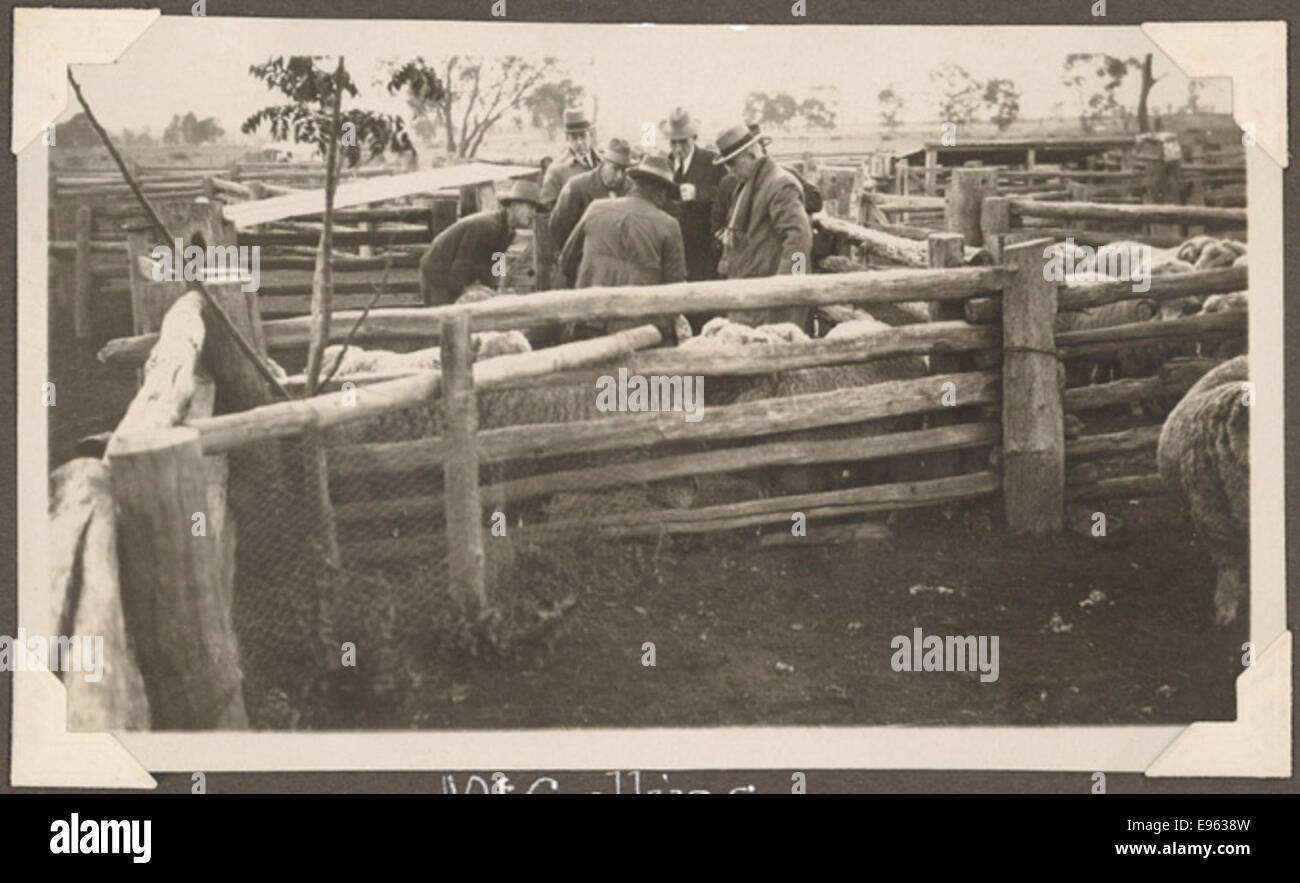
(465, 558)
(1033, 438)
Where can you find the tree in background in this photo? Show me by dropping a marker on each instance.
(1003, 100)
(547, 102)
(775, 111)
(816, 114)
(1194, 89)
(305, 119)
(189, 129)
(142, 138)
(890, 106)
(1148, 81)
(76, 132)
(474, 93)
(959, 93)
(1096, 79)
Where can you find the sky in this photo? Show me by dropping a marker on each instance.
(635, 73)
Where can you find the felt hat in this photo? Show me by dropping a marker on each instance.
(656, 169)
(619, 153)
(680, 125)
(733, 142)
(524, 191)
(575, 120)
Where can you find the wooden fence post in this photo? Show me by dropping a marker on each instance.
(468, 201)
(946, 250)
(64, 230)
(995, 224)
(464, 513)
(1033, 439)
(543, 250)
(966, 192)
(81, 294)
(931, 171)
(174, 582)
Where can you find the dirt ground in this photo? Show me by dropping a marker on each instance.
(1091, 630)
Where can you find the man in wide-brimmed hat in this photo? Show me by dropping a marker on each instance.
(767, 232)
(697, 181)
(812, 197)
(607, 181)
(580, 135)
(469, 251)
(630, 240)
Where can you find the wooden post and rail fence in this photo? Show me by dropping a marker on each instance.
(167, 459)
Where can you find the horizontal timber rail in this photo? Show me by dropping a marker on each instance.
(786, 453)
(287, 419)
(1086, 341)
(511, 312)
(873, 498)
(655, 522)
(1082, 295)
(1149, 213)
(919, 339)
(1109, 444)
(1174, 378)
(745, 420)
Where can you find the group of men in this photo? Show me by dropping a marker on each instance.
(621, 219)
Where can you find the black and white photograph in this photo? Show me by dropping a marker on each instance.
(776, 387)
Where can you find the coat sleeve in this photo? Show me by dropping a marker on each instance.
(475, 255)
(551, 185)
(435, 267)
(565, 214)
(721, 203)
(674, 267)
(571, 255)
(790, 222)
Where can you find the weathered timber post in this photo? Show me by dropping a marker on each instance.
(966, 192)
(931, 171)
(174, 590)
(150, 299)
(210, 189)
(544, 250)
(468, 200)
(64, 231)
(487, 197)
(464, 513)
(366, 250)
(995, 224)
(946, 250)
(81, 296)
(1033, 439)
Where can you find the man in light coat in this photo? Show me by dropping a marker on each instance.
(767, 232)
(631, 240)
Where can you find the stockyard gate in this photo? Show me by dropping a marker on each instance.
(450, 532)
